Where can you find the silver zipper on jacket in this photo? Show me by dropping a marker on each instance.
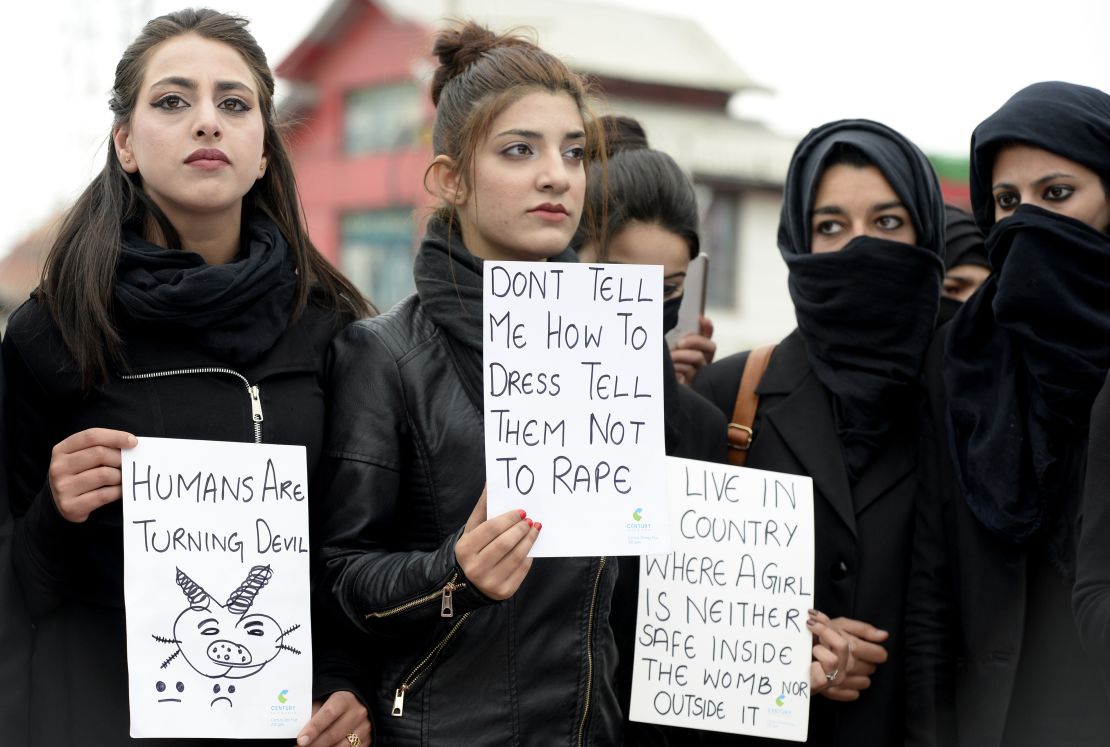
(252, 390)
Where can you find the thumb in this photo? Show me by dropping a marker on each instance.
(478, 515)
(705, 325)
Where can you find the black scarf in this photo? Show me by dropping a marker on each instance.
(1027, 354)
(866, 313)
(449, 283)
(235, 311)
(1023, 365)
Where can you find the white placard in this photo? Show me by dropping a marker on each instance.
(216, 584)
(573, 382)
(721, 636)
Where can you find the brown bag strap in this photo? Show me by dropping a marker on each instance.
(740, 435)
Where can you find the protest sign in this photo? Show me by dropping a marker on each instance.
(573, 383)
(216, 585)
(721, 636)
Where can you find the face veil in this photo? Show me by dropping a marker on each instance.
(1026, 358)
(866, 312)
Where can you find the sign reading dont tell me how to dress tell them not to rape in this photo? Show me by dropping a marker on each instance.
(721, 636)
(573, 389)
(216, 586)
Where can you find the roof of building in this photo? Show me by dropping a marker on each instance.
(608, 41)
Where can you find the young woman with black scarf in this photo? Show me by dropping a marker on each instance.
(182, 299)
(993, 653)
(861, 232)
(477, 643)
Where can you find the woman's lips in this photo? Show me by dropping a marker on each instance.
(550, 212)
(207, 159)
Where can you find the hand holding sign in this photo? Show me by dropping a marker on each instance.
(832, 655)
(84, 471)
(493, 553)
(867, 655)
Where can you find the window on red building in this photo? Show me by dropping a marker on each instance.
(382, 118)
(376, 254)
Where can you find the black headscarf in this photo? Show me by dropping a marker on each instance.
(1029, 352)
(449, 282)
(866, 312)
(963, 241)
(234, 311)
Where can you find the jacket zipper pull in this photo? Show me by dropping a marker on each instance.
(256, 404)
(447, 606)
(399, 701)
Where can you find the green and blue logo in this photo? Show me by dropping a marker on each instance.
(637, 515)
(780, 701)
(281, 696)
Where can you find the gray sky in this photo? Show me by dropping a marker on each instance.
(932, 70)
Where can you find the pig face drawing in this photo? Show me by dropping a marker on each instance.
(230, 639)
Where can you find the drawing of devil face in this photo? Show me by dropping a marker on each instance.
(226, 640)
(219, 643)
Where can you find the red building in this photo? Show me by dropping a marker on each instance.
(360, 119)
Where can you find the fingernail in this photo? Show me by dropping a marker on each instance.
(529, 522)
(538, 526)
(811, 622)
(812, 613)
(303, 740)
(521, 512)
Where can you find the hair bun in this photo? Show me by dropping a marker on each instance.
(623, 134)
(459, 47)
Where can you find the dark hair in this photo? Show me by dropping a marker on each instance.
(644, 186)
(481, 74)
(79, 272)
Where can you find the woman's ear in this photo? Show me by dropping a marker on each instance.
(446, 181)
(121, 141)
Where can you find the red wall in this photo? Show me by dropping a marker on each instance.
(371, 49)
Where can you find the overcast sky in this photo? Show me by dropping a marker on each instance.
(932, 70)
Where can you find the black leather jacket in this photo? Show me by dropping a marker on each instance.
(404, 467)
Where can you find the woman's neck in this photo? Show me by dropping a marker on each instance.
(215, 238)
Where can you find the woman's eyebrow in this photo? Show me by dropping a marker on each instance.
(888, 205)
(828, 210)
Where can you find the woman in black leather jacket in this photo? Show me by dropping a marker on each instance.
(478, 644)
(181, 299)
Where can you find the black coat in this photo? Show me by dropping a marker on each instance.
(969, 606)
(72, 574)
(1092, 583)
(405, 465)
(863, 532)
(15, 626)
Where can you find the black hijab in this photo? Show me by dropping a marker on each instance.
(1029, 352)
(866, 312)
(963, 245)
(449, 283)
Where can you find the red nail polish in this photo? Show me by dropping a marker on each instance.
(529, 522)
(521, 512)
(538, 526)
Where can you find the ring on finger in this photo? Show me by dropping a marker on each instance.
(354, 739)
(830, 676)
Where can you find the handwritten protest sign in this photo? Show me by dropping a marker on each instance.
(574, 404)
(216, 584)
(721, 637)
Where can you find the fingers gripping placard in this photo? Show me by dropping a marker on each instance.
(574, 403)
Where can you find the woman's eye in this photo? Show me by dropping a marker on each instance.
(1058, 192)
(171, 102)
(1007, 200)
(234, 105)
(828, 228)
(889, 222)
(670, 289)
(577, 153)
(518, 149)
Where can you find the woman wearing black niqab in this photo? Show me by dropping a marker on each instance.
(861, 231)
(994, 657)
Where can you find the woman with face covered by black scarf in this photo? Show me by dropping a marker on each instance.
(861, 232)
(994, 657)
